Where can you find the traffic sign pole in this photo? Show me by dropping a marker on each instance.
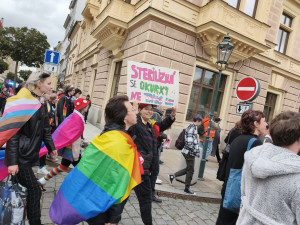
(203, 159)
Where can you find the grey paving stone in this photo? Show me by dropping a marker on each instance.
(171, 211)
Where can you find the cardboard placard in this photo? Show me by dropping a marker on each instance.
(152, 84)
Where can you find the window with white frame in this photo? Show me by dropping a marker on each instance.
(284, 33)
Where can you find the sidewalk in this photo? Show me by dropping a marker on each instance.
(208, 190)
(177, 207)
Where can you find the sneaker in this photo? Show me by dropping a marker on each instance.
(161, 162)
(155, 199)
(42, 181)
(43, 170)
(189, 191)
(52, 158)
(158, 181)
(171, 177)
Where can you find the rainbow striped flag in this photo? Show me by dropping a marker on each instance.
(18, 110)
(66, 133)
(109, 169)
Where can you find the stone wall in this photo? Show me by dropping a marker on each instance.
(274, 20)
(291, 101)
(196, 2)
(84, 82)
(162, 45)
(296, 44)
(100, 85)
(242, 69)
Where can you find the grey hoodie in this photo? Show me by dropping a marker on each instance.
(270, 187)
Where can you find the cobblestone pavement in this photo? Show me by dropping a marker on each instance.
(170, 211)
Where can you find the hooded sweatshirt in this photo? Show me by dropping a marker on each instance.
(270, 187)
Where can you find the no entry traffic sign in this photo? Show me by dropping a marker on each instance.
(248, 89)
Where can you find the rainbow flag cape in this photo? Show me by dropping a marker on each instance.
(66, 133)
(109, 169)
(18, 110)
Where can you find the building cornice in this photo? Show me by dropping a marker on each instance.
(87, 53)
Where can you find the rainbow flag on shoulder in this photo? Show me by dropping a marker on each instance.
(109, 169)
(18, 110)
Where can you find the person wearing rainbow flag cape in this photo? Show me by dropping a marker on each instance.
(96, 190)
(70, 155)
(24, 125)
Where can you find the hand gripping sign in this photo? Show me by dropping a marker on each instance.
(152, 84)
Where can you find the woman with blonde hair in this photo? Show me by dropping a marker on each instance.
(26, 127)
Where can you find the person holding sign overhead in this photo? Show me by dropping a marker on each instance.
(145, 133)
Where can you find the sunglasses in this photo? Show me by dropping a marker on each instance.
(44, 75)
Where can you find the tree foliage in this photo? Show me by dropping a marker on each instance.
(11, 76)
(3, 66)
(24, 74)
(23, 45)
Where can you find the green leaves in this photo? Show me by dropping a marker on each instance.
(3, 66)
(24, 74)
(24, 45)
(11, 76)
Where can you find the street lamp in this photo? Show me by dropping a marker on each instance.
(225, 49)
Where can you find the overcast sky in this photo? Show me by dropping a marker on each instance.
(47, 16)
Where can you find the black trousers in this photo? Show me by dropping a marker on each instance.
(27, 179)
(112, 215)
(144, 194)
(218, 154)
(2, 104)
(154, 175)
(226, 217)
(43, 161)
(188, 171)
(67, 163)
(86, 115)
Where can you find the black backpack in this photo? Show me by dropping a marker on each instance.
(201, 130)
(180, 142)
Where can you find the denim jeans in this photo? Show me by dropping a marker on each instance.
(144, 194)
(209, 148)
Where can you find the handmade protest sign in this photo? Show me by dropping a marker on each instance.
(152, 84)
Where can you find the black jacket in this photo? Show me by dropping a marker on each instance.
(23, 148)
(216, 142)
(64, 100)
(238, 148)
(145, 138)
(233, 134)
